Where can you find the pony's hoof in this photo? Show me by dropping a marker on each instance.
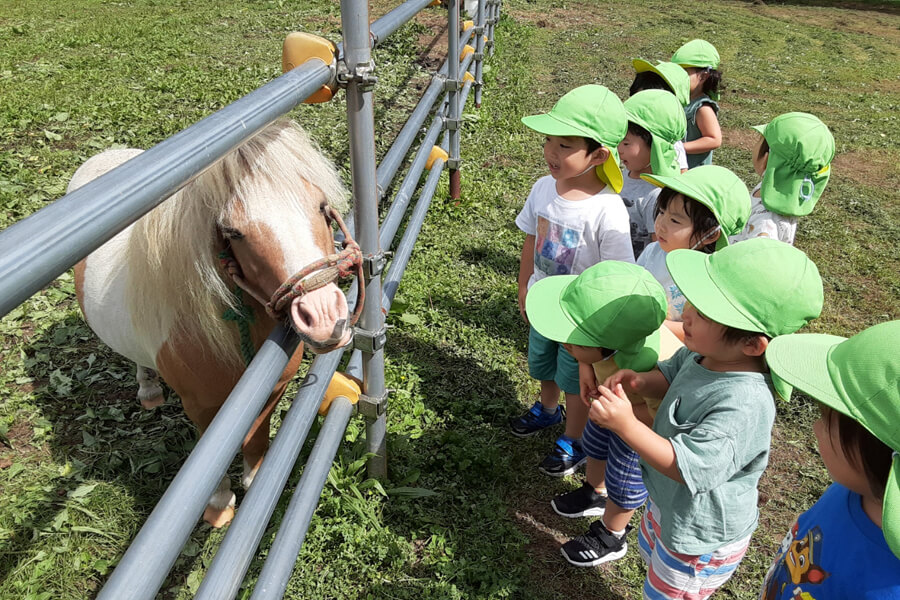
(148, 403)
(218, 517)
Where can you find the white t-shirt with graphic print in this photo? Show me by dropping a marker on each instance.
(572, 235)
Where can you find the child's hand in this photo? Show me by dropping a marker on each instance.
(612, 410)
(523, 291)
(587, 383)
(628, 379)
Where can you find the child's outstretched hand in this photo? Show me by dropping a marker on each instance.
(628, 379)
(612, 410)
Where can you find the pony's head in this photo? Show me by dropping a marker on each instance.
(265, 204)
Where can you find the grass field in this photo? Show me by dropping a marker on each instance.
(81, 465)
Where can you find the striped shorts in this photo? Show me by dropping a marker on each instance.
(624, 483)
(672, 576)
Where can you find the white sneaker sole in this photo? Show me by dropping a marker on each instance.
(594, 511)
(597, 561)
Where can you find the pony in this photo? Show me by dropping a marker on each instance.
(156, 293)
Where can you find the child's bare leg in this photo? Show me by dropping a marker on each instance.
(550, 395)
(616, 518)
(576, 416)
(595, 474)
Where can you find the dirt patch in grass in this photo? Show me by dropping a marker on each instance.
(575, 15)
(876, 168)
(433, 44)
(743, 138)
(859, 19)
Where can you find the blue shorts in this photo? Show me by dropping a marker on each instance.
(624, 483)
(549, 361)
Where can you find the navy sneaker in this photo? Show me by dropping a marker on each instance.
(565, 459)
(595, 547)
(536, 419)
(583, 502)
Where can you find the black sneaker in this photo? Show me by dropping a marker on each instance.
(583, 502)
(595, 547)
(566, 457)
(535, 419)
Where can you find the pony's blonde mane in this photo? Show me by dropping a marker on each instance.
(175, 276)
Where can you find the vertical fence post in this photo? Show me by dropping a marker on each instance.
(479, 51)
(493, 7)
(453, 119)
(359, 73)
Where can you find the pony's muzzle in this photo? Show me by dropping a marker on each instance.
(320, 318)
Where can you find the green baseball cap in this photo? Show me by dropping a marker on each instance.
(674, 75)
(760, 285)
(589, 111)
(717, 188)
(660, 113)
(613, 304)
(859, 377)
(697, 53)
(799, 165)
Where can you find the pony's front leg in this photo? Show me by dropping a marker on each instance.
(150, 393)
(220, 508)
(257, 441)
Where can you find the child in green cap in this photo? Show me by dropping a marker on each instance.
(848, 544)
(573, 218)
(709, 443)
(655, 124)
(793, 156)
(701, 61)
(668, 77)
(695, 210)
(607, 318)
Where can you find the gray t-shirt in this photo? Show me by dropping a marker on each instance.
(720, 425)
(639, 197)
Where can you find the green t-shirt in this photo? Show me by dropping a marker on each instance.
(720, 425)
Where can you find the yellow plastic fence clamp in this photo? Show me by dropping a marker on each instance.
(300, 47)
(468, 77)
(467, 25)
(436, 153)
(341, 385)
(467, 50)
(435, 3)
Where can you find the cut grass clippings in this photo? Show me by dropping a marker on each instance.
(464, 512)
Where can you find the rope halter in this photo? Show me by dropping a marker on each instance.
(313, 276)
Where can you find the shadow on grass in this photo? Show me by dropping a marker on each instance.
(99, 434)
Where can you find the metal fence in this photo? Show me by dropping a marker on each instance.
(91, 215)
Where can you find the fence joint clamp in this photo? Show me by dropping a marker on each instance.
(479, 30)
(372, 407)
(450, 84)
(362, 74)
(451, 124)
(453, 164)
(369, 341)
(374, 264)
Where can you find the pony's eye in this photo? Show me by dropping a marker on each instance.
(322, 207)
(232, 234)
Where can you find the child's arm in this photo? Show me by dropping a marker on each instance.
(710, 132)
(652, 384)
(526, 268)
(614, 412)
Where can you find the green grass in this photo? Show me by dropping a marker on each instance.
(81, 466)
